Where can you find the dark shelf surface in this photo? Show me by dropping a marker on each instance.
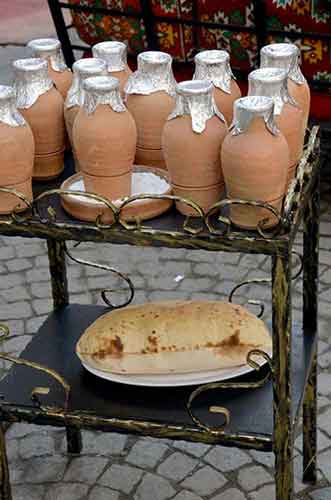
(54, 346)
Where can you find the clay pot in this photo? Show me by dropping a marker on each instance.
(286, 56)
(105, 139)
(214, 65)
(115, 56)
(42, 107)
(82, 69)
(192, 143)
(17, 152)
(150, 100)
(50, 50)
(272, 82)
(255, 159)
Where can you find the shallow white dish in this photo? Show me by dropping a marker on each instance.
(176, 380)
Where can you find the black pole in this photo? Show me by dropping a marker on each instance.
(61, 31)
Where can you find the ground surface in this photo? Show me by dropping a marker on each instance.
(114, 467)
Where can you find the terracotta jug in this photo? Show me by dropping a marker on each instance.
(105, 139)
(286, 56)
(17, 152)
(42, 107)
(191, 141)
(82, 69)
(50, 49)
(115, 56)
(214, 65)
(272, 82)
(255, 158)
(150, 95)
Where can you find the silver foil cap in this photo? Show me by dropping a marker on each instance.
(82, 69)
(285, 56)
(247, 108)
(31, 81)
(270, 82)
(154, 73)
(113, 53)
(100, 90)
(8, 110)
(50, 49)
(214, 65)
(195, 98)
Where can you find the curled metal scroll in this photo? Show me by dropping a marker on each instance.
(4, 335)
(228, 385)
(274, 231)
(110, 269)
(257, 281)
(16, 212)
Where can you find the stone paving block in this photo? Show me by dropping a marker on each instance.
(12, 447)
(168, 295)
(186, 495)
(324, 384)
(17, 310)
(100, 493)
(37, 274)
(265, 493)
(226, 459)
(15, 293)
(153, 487)
(42, 306)
(231, 494)
(321, 494)
(121, 477)
(251, 478)
(11, 280)
(323, 441)
(85, 469)
(20, 430)
(146, 453)
(267, 459)
(28, 492)
(71, 491)
(17, 471)
(177, 466)
(195, 449)
(324, 421)
(45, 469)
(99, 443)
(205, 481)
(31, 249)
(17, 344)
(41, 290)
(19, 265)
(196, 284)
(36, 445)
(7, 252)
(324, 461)
(33, 324)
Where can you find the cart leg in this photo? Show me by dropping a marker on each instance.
(57, 267)
(282, 383)
(310, 319)
(5, 490)
(61, 31)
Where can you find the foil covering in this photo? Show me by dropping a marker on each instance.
(82, 69)
(113, 53)
(285, 56)
(247, 108)
(49, 49)
(102, 90)
(31, 81)
(154, 73)
(195, 98)
(8, 111)
(271, 82)
(214, 65)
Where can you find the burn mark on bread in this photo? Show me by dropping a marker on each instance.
(114, 348)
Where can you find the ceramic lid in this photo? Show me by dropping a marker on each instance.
(31, 81)
(82, 69)
(102, 90)
(285, 56)
(8, 111)
(247, 108)
(113, 53)
(195, 98)
(50, 49)
(154, 73)
(214, 65)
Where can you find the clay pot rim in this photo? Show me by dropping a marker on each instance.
(194, 87)
(44, 44)
(212, 56)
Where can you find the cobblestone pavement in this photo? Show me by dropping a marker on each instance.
(116, 467)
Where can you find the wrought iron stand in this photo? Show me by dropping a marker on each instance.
(48, 386)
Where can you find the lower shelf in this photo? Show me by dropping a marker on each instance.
(153, 411)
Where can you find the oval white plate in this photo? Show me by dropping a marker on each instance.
(175, 380)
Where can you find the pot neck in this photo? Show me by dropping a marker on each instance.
(9, 114)
(83, 69)
(102, 91)
(271, 82)
(284, 56)
(251, 110)
(195, 99)
(154, 74)
(113, 53)
(214, 65)
(31, 81)
(50, 50)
